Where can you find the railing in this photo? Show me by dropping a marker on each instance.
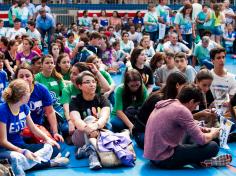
(233, 2)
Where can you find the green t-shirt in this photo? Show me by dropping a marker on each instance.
(69, 92)
(119, 100)
(66, 76)
(201, 53)
(107, 76)
(54, 86)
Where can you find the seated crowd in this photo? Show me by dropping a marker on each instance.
(56, 85)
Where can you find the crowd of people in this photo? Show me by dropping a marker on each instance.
(56, 84)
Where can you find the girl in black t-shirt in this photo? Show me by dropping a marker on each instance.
(10, 58)
(138, 60)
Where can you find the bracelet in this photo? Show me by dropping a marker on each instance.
(24, 151)
(52, 133)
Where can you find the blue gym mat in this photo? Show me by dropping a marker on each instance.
(143, 166)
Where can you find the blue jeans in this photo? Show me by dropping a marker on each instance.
(117, 124)
(188, 38)
(209, 65)
(139, 138)
(154, 36)
(49, 33)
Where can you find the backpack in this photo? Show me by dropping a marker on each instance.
(5, 168)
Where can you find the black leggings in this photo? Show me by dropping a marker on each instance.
(189, 154)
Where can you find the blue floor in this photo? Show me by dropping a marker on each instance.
(142, 167)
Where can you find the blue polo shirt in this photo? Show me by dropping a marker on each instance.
(45, 23)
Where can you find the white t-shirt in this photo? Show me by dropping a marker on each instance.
(228, 19)
(223, 87)
(48, 10)
(12, 33)
(196, 9)
(179, 47)
(34, 34)
(3, 32)
(127, 47)
(135, 37)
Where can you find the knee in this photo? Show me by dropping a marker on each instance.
(117, 124)
(65, 129)
(213, 148)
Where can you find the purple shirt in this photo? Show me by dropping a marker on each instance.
(22, 58)
(166, 127)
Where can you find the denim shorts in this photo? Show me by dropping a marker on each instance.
(217, 30)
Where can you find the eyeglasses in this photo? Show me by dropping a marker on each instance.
(90, 82)
(55, 48)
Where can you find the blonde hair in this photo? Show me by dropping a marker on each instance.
(15, 91)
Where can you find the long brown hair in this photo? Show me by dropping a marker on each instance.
(132, 75)
(54, 74)
(134, 55)
(187, 6)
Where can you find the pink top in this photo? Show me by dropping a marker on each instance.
(166, 127)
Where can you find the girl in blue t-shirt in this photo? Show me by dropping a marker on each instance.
(15, 116)
(40, 102)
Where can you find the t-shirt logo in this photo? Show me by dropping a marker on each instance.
(18, 126)
(35, 106)
(145, 78)
(53, 83)
(54, 97)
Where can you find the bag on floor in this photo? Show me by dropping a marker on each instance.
(5, 168)
(109, 159)
(26, 133)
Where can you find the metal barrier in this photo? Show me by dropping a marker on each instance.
(65, 19)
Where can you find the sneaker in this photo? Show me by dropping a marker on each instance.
(81, 152)
(59, 162)
(233, 56)
(94, 163)
(221, 160)
(67, 155)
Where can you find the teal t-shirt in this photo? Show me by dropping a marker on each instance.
(151, 18)
(201, 53)
(162, 11)
(202, 17)
(185, 23)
